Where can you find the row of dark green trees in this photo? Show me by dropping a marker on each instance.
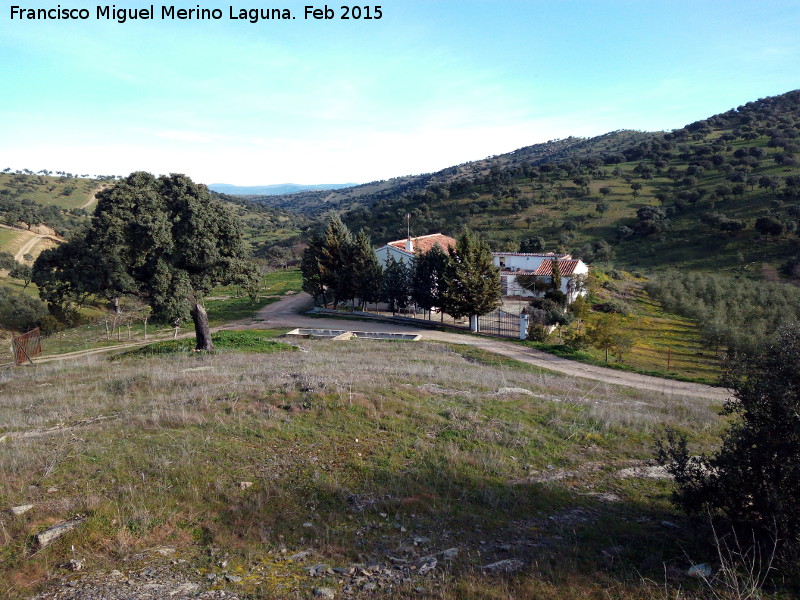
(342, 269)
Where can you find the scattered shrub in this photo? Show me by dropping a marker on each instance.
(538, 332)
(614, 305)
(18, 310)
(49, 325)
(752, 482)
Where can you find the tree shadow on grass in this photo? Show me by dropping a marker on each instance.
(444, 528)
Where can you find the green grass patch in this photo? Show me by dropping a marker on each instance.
(249, 340)
(234, 309)
(284, 280)
(11, 240)
(235, 306)
(484, 357)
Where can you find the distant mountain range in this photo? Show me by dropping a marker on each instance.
(273, 190)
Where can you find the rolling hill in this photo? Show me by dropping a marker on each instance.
(365, 195)
(57, 205)
(726, 187)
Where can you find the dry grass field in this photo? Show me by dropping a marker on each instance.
(402, 469)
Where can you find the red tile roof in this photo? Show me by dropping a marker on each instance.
(423, 243)
(545, 254)
(565, 267)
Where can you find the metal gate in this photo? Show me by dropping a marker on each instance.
(499, 323)
(27, 346)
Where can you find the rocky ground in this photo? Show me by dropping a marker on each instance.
(417, 564)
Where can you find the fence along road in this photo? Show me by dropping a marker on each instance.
(288, 313)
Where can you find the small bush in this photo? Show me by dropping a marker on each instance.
(556, 296)
(538, 332)
(48, 325)
(753, 482)
(576, 340)
(613, 306)
(18, 310)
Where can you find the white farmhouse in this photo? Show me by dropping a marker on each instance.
(404, 250)
(512, 264)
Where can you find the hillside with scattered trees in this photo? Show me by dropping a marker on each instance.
(727, 186)
(60, 201)
(64, 202)
(368, 194)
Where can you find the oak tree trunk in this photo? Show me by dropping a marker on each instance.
(202, 331)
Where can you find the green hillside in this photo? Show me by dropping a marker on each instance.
(35, 208)
(727, 186)
(64, 202)
(63, 191)
(60, 202)
(273, 233)
(368, 194)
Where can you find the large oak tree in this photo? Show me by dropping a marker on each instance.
(162, 239)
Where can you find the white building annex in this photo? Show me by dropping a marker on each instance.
(513, 264)
(404, 250)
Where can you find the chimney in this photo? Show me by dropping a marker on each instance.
(409, 245)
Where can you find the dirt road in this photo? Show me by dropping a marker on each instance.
(29, 244)
(287, 313)
(27, 247)
(93, 197)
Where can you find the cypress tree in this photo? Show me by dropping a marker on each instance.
(396, 289)
(335, 261)
(555, 274)
(309, 267)
(472, 282)
(428, 278)
(367, 270)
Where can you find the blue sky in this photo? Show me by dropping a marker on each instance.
(430, 84)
